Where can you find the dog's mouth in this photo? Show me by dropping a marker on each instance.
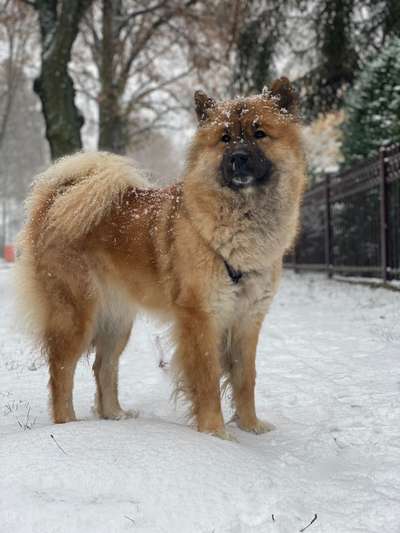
(245, 168)
(241, 181)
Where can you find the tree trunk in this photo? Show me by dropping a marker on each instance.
(112, 125)
(59, 27)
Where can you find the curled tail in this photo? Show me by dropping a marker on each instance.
(78, 191)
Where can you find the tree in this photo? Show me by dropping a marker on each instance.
(339, 39)
(16, 36)
(59, 25)
(379, 25)
(140, 52)
(372, 107)
(17, 40)
(334, 58)
(23, 153)
(260, 26)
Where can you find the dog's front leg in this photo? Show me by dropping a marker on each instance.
(199, 369)
(243, 375)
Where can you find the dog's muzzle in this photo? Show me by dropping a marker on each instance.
(245, 167)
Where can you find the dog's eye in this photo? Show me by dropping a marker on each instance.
(226, 138)
(259, 134)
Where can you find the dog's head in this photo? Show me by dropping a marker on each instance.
(247, 144)
(246, 169)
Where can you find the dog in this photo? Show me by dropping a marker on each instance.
(205, 254)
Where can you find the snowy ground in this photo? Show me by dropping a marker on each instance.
(327, 378)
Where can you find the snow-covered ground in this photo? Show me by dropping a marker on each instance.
(327, 378)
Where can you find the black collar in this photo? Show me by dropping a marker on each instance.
(235, 275)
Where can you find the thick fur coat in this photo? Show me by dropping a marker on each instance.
(99, 244)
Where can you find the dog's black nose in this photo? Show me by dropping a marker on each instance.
(239, 161)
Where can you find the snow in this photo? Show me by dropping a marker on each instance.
(327, 378)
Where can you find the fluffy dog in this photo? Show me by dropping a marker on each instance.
(205, 254)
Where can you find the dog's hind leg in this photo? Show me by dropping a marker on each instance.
(110, 342)
(67, 337)
(62, 364)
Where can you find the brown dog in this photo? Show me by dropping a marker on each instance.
(205, 254)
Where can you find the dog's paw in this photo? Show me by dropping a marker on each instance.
(224, 435)
(258, 427)
(65, 419)
(121, 414)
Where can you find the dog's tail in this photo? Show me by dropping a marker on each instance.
(66, 202)
(75, 193)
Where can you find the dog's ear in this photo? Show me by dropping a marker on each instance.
(285, 94)
(203, 104)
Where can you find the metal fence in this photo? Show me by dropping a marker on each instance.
(351, 221)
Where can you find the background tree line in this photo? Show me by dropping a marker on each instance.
(119, 74)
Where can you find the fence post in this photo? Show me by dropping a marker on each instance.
(328, 226)
(384, 226)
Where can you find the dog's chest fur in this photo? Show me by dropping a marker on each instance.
(245, 232)
(243, 300)
(240, 239)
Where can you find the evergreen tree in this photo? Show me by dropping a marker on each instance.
(334, 55)
(339, 39)
(262, 26)
(372, 107)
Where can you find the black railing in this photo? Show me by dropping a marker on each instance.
(351, 221)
